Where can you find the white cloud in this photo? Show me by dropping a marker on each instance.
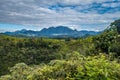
(111, 5)
(70, 2)
(37, 13)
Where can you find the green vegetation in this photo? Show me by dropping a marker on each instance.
(91, 58)
(116, 25)
(74, 67)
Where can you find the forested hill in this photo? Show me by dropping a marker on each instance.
(91, 58)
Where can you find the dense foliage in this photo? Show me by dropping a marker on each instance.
(91, 58)
(116, 25)
(30, 51)
(74, 67)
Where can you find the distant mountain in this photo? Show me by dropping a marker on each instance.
(22, 32)
(57, 30)
(53, 32)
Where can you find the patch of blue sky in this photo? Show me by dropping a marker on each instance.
(98, 8)
(13, 27)
(58, 6)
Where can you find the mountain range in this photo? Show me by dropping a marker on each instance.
(53, 32)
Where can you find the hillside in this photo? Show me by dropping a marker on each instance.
(91, 58)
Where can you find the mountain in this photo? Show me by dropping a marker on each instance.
(22, 32)
(57, 30)
(53, 32)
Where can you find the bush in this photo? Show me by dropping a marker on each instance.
(73, 68)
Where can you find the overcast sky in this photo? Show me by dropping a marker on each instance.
(77, 14)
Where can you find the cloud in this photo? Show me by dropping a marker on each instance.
(80, 14)
(71, 2)
(113, 5)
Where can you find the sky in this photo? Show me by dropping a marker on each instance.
(93, 15)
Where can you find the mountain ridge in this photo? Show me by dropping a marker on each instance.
(58, 31)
